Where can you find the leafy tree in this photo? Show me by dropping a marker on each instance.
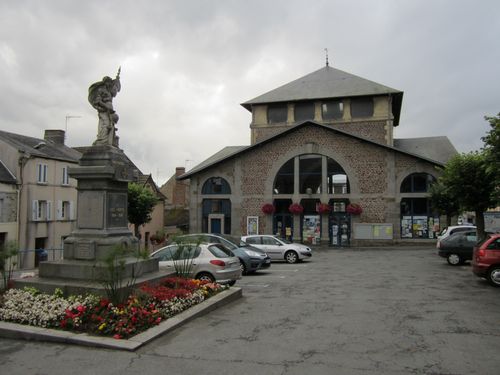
(8, 253)
(443, 202)
(467, 182)
(141, 202)
(492, 153)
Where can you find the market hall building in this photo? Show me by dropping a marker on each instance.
(322, 167)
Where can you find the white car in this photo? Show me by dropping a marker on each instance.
(279, 249)
(210, 262)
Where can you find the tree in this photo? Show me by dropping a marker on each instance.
(467, 182)
(141, 202)
(442, 201)
(492, 153)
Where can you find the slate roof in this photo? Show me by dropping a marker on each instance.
(405, 146)
(40, 147)
(328, 83)
(6, 175)
(435, 148)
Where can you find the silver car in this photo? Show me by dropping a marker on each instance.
(211, 262)
(279, 249)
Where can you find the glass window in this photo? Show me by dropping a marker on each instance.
(216, 185)
(362, 107)
(65, 176)
(310, 167)
(417, 183)
(269, 241)
(332, 110)
(277, 113)
(165, 254)
(283, 184)
(220, 251)
(41, 173)
(337, 179)
(304, 112)
(253, 240)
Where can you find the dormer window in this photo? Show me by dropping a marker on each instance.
(277, 113)
(304, 111)
(362, 107)
(332, 110)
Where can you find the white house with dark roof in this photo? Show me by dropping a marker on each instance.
(324, 158)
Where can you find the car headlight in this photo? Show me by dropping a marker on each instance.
(252, 253)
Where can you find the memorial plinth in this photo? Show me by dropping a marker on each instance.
(103, 175)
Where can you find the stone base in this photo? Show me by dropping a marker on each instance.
(85, 270)
(75, 287)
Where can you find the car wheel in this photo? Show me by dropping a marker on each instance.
(454, 259)
(232, 282)
(205, 276)
(243, 268)
(291, 257)
(493, 276)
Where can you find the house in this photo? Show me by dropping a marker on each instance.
(177, 203)
(46, 195)
(8, 206)
(324, 158)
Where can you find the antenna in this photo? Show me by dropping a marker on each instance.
(66, 126)
(326, 53)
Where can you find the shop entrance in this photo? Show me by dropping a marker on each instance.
(339, 227)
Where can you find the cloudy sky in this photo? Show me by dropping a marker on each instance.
(187, 65)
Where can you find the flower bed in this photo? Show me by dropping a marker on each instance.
(147, 307)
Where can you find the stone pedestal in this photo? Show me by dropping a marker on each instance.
(102, 226)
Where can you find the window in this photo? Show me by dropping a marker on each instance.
(269, 241)
(417, 183)
(65, 176)
(277, 113)
(336, 178)
(216, 185)
(361, 107)
(304, 112)
(41, 173)
(310, 167)
(41, 210)
(332, 110)
(64, 210)
(283, 184)
(253, 240)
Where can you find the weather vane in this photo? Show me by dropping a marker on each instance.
(326, 53)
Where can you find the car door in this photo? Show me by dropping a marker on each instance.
(468, 243)
(164, 257)
(272, 247)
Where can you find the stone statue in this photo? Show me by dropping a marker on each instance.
(101, 96)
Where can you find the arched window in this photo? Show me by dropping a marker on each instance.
(283, 183)
(216, 185)
(417, 183)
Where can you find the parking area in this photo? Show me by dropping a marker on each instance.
(353, 311)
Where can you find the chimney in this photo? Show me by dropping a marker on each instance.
(54, 136)
(179, 171)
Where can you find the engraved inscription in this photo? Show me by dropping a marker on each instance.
(117, 210)
(85, 250)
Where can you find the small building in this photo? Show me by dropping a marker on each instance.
(177, 203)
(46, 195)
(322, 167)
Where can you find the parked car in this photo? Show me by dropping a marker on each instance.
(211, 262)
(453, 229)
(486, 259)
(457, 248)
(279, 249)
(251, 258)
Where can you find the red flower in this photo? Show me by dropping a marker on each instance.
(268, 208)
(296, 208)
(323, 208)
(354, 209)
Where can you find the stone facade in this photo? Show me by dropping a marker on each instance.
(359, 148)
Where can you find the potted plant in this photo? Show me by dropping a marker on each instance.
(354, 209)
(267, 208)
(296, 208)
(323, 208)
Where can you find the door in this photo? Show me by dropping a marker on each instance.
(283, 226)
(272, 247)
(339, 229)
(215, 226)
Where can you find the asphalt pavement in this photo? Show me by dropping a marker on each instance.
(345, 311)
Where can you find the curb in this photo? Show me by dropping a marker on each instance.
(24, 332)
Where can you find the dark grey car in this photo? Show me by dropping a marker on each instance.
(251, 258)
